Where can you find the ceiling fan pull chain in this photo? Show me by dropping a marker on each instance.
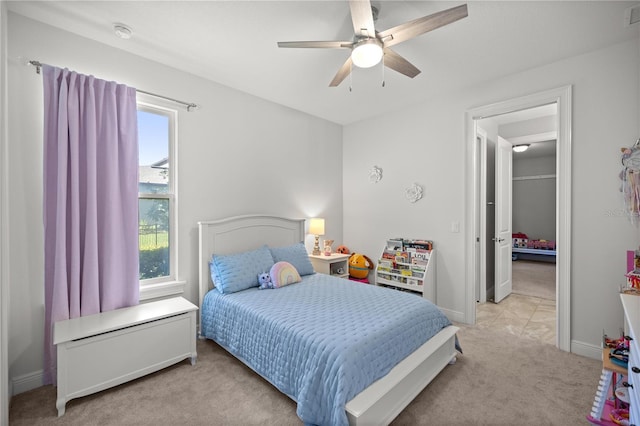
(383, 70)
(350, 78)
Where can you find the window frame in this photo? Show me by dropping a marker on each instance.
(170, 195)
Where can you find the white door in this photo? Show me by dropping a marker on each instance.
(502, 238)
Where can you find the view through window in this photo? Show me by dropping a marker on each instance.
(156, 193)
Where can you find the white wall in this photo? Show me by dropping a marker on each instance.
(534, 200)
(426, 143)
(237, 155)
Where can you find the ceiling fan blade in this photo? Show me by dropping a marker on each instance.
(362, 18)
(342, 73)
(400, 64)
(422, 25)
(317, 44)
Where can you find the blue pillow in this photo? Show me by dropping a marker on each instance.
(296, 255)
(237, 272)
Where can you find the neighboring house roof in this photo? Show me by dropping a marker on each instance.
(164, 163)
(151, 174)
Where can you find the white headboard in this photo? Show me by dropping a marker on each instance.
(242, 233)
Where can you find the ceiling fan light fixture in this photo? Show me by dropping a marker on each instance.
(367, 53)
(521, 148)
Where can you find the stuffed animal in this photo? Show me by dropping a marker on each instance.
(265, 281)
(359, 266)
(342, 250)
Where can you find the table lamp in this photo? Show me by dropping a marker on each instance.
(316, 227)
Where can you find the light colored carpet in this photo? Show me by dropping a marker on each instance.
(500, 380)
(531, 278)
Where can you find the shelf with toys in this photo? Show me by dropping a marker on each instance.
(611, 402)
(408, 265)
(617, 399)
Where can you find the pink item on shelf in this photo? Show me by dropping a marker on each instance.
(360, 280)
(541, 244)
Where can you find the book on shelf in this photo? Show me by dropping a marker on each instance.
(403, 244)
(388, 262)
(403, 256)
(387, 254)
(394, 244)
(418, 244)
(419, 255)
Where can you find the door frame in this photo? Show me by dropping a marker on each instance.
(480, 136)
(5, 392)
(562, 97)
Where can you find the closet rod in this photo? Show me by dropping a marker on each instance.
(189, 105)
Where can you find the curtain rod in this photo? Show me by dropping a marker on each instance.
(189, 105)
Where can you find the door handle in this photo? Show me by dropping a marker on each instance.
(497, 240)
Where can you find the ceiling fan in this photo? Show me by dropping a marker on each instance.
(369, 46)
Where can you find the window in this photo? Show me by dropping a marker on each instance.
(156, 194)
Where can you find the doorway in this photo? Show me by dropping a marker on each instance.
(516, 193)
(517, 199)
(475, 249)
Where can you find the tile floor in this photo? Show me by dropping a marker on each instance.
(520, 315)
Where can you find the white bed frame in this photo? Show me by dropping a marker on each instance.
(383, 400)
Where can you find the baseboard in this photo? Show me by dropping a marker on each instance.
(586, 349)
(454, 316)
(26, 382)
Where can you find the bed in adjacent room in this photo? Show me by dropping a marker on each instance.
(345, 352)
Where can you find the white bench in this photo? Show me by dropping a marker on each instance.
(100, 351)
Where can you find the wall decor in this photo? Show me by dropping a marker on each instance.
(413, 193)
(375, 174)
(630, 176)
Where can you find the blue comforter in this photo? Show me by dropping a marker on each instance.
(323, 340)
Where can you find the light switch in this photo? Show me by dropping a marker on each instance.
(455, 226)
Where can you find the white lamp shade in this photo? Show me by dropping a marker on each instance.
(520, 148)
(367, 53)
(316, 226)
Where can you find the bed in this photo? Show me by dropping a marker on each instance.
(333, 379)
(517, 251)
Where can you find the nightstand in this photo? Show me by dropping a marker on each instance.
(337, 264)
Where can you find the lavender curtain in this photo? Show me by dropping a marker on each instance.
(90, 199)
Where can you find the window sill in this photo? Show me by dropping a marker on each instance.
(155, 291)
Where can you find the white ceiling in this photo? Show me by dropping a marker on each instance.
(234, 43)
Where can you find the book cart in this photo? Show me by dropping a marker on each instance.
(408, 265)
